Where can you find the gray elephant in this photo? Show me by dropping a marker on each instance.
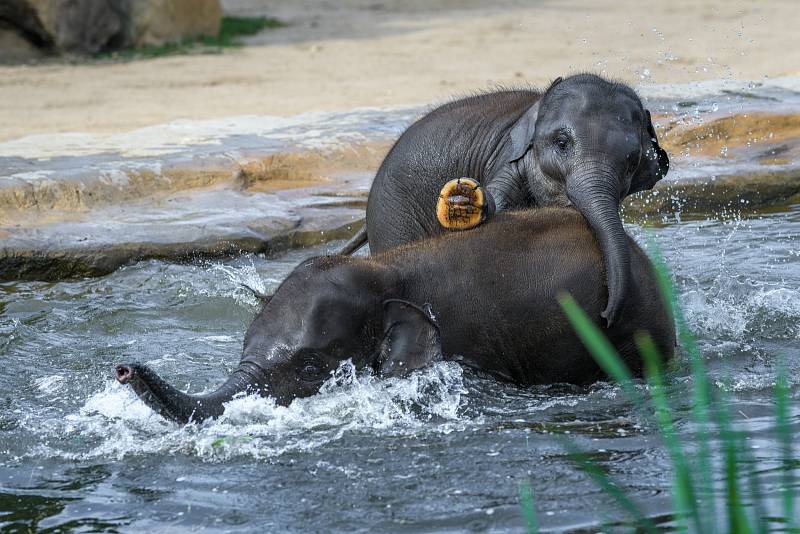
(585, 142)
(487, 295)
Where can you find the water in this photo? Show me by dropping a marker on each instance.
(442, 451)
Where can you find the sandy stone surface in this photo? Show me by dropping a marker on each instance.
(260, 149)
(351, 53)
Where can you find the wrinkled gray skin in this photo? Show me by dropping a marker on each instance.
(585, 142)
(377, 312)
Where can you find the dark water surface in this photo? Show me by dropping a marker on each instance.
(441, 451)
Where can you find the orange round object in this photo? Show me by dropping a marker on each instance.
(461, 204)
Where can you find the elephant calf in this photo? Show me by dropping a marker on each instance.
(487, 295)
(585, 142)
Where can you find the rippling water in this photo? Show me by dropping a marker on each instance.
(441, 451)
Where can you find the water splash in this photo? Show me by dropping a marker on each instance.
(246, 276)
(116, 424)
(739, 312)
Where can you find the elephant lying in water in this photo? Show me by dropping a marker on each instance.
(585, 142)
(487, 295)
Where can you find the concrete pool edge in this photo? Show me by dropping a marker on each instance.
(303, 181)
(98, 246)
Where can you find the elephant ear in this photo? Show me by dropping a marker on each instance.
(521, 134)
(655, 162)
(410, 339)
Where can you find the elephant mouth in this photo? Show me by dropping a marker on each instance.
(461, 205)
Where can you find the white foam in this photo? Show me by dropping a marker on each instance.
(734, 316)
(115, 423)
(50, 384)
(782, 300)
(718, 315)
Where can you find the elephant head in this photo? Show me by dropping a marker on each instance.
(589, 143)
(330, 309)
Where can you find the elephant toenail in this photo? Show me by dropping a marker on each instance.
(461, 204)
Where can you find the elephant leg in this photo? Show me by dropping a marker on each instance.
(463, 204)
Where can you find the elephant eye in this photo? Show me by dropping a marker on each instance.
(310, 369)
(561, 141)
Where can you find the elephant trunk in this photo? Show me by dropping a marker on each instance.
(181, 407)
(596, 196)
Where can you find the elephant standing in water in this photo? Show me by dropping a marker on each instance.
(487, 295)
(585, 142)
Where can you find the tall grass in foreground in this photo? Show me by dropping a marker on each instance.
(718, 489)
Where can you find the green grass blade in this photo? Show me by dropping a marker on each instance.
(528, 505)
(599, 346)
(754, 482)
(610, 362)
(701, 404)
(667, 288)
(785, 437)
(600, 478)
(701, 394)
(737, 518)
(683, 492)
(663, 277)
(686, 339)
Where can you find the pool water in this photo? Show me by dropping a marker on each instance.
(443, 450)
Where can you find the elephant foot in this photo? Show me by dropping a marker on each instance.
(462, 204)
